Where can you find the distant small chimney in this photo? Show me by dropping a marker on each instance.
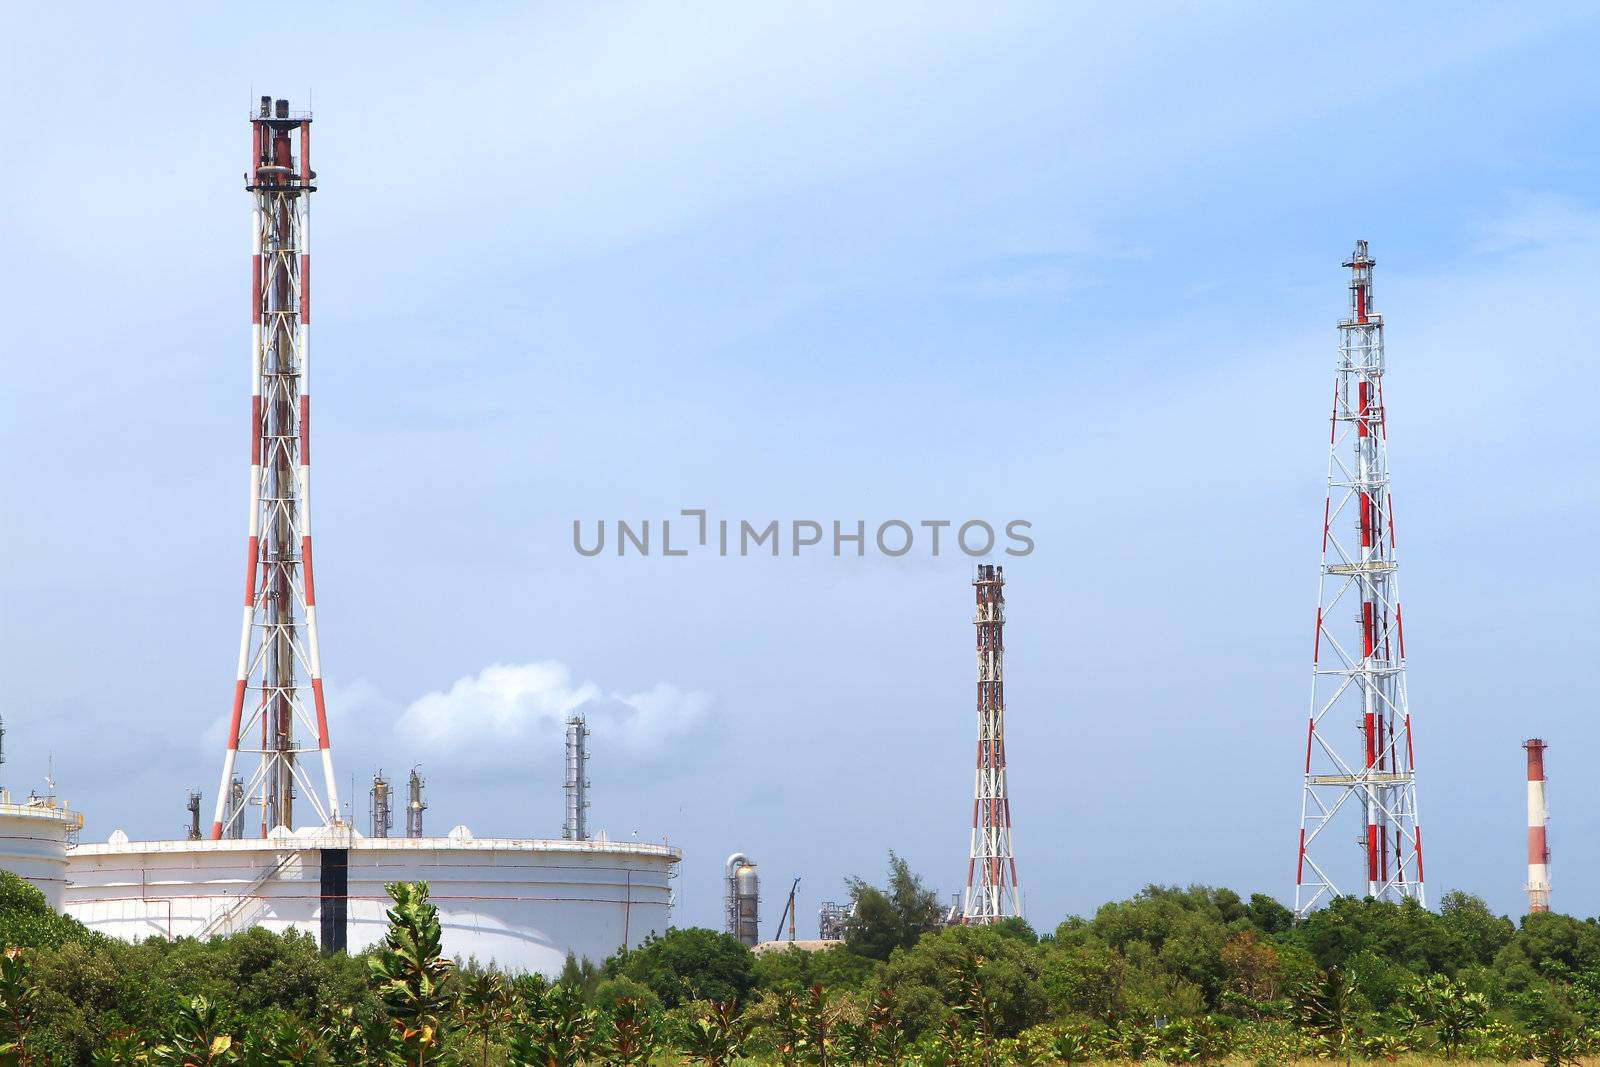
(1538, 886)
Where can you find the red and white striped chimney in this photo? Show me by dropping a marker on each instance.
(1538, 815)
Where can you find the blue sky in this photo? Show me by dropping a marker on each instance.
(1067, 264)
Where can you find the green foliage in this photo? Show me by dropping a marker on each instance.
(688, 965)
(410, 973)
(884, 1029)
(1406, 933)
(1448, 1009)
(1476, 934)
(715, 1037)
(1200, 1040)
(484, 1007)
(1556, 1047)
(28, 921)
(19, 1007)
(1072, 1045)
(893, 917)
(1186, 976)
(1327, 1008)
(560, 1032)
(202, 1036)
(936, 976)
(635, 1035)
(613, 991)
(796, 969)
(581, 975)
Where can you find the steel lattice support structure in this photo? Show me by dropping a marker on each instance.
(992, 891)
(277, 698)
(1358, 671)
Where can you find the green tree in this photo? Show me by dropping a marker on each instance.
(1404, 933)
(1453, 1013)
(346, 1039)
(582, 975)
(613, 991)
(201, 1037)
(1085, 980)
(929, 978)
(28, 921)
(1267, 915)
(1327, 1008)
(1556, 1047)
(410, 973)
(484, 1007)
(1199, 1040)
(798, 969)
(1252, 972)
(1181, 930)
(785, 1026)
(975, 1006)
(1072, 1045)
(716, 1037)
(688, 965)
(1477, 934)
(561, 1034)
(820, 1026)
(883, 920)
(276, 1039)
(1548, 945)
(634, 1036)
(19, 1006)
(124, 1049)
(885, 1029)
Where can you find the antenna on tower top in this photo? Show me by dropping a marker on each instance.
(992, 890)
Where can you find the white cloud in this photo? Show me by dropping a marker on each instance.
(505, 716)
(518, 710)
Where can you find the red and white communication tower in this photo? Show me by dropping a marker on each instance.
(278, 712)
(1358, 662)
(1538, 816)
(992, 890)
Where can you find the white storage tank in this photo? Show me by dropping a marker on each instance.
(34, 836)
(520, 903)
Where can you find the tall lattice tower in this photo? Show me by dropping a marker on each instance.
(278, 711)
(992, 890)
(1358, 659)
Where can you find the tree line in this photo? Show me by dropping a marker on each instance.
(1179, 975)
